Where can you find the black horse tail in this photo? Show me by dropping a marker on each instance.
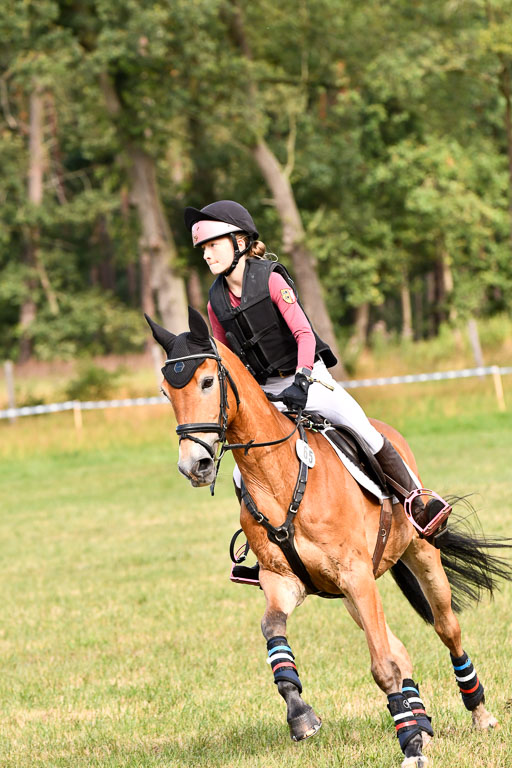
(411, 589)
(466, 557)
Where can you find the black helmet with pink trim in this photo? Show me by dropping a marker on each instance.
(218, 219)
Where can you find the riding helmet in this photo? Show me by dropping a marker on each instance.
(218, 219)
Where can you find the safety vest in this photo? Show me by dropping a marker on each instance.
(256, 330)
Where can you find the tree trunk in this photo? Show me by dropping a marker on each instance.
(146, 294)
(431, 304)
(28, 311)
(506, 89)
(293, 244)
(156, 239)
(194, 291)
(445, 286)
(105, 270)
(131, 281)
(405, 296)
(418, 314)
(360, 334)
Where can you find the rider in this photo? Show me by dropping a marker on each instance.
(254, 310)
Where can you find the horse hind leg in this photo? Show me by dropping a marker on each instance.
(410, 689)
(283, 595)
(425, 563)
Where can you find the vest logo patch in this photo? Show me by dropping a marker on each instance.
(288, 295)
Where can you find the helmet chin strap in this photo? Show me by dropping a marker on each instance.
(238, 254)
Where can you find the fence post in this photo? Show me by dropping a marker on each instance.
(77, 416)
(498, 388)
(9, 379)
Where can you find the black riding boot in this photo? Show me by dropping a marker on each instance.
(393, 466)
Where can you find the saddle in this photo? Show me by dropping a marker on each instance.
(357, 452)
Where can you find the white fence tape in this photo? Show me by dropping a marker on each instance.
(71, 405)
(466, 373)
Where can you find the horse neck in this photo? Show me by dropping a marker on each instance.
(256, 419)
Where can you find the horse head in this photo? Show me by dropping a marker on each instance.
(195, 389)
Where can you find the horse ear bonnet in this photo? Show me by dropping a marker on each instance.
(178, 374)
(195, 342)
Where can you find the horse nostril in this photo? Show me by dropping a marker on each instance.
(203, 465)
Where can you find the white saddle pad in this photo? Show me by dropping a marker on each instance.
(359, 477)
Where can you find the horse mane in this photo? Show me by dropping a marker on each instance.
(250, 392)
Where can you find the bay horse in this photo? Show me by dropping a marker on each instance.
(219, 404)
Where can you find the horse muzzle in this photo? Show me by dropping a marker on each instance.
(197, 465)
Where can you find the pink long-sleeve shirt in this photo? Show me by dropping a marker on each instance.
(286, 301)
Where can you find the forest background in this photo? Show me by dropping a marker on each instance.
(372, 143)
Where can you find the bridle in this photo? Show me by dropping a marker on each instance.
(186, 431)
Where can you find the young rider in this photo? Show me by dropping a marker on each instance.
(254, 310)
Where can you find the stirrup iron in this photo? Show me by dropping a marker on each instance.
(438, 519)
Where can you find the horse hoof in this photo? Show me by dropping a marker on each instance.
(415, 761)
(304, 726)
(482, 719)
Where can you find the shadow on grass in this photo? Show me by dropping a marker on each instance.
(235, 745)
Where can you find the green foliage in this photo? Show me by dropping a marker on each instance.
(390, 120)
(89, 323)
(92, 382)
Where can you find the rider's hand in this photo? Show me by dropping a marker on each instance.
(295, 396)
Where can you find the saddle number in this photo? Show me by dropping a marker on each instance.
(305, 453)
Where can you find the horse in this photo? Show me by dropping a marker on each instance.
(219, 405)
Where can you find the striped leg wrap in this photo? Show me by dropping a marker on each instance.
(411, 691)
(470, 687)
(282, 661)
(405, 723)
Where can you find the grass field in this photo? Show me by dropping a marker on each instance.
(123, 643)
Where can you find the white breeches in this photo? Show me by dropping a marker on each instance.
(335, 405)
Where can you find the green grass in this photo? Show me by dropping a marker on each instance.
(123, 643)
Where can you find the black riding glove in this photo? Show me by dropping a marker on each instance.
(295, 396)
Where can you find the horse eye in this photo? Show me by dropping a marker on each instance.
(207, 382)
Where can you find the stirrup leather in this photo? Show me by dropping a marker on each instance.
(438, 519)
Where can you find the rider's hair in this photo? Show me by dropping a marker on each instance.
(258, 250)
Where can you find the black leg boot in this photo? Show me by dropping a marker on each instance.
(402, 484)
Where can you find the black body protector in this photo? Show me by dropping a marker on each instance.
(256, 330)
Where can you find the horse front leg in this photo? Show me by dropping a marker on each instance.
(283, 594)
(410, 689)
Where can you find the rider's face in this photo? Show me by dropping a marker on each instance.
(219, 254)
